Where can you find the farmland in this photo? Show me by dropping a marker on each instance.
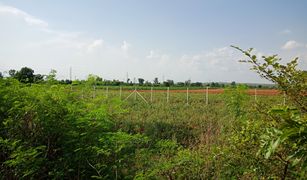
(67, 131)
(164, 131)
(153, 90)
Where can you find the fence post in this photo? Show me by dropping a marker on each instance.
(207, 97)
(187, 96)
(120, 92)
(255, 94)
(167, 95)
(135, 94)
(151, 94)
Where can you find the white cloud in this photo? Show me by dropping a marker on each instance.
(216, 59)
(53, 39)
(30, 20)
(154, 54)
(94, 45)
(291, 45)
(151, 54)
(47, 49)
(125, 46)
(220, 64)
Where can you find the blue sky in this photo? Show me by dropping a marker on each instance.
(179, 40)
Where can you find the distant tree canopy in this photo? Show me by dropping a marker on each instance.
(156, 81)
(12, 72)
(51, 77)
(141, 81)
(25, 75)
(168, 83)
(92, 79)
(188, 82)
(197, 84)
(180, 83)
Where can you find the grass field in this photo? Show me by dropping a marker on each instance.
(108, 133)
(188, 120)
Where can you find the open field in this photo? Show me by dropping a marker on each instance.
(153, 90)
(142, 134)
(268, 92)
(176, 96)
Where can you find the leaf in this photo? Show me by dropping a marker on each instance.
(275, 145)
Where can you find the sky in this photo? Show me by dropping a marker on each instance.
(176, 40)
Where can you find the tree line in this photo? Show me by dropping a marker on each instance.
(27, 75)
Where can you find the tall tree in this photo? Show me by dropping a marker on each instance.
(156, 81)
(51, 77)
(12, 72)
(141, 81)
(168, 83)
(25, 75)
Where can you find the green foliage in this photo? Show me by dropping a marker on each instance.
(12, 72)
(48, 132)
(51, 77)
(288, 78)
(25, 75)
(52, 132)
(141, 81)
(92, 80)
(174, 162)
(287, 139)
(235, 99)
(55, 131)
(285, 136)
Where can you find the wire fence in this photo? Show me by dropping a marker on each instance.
(168, 95)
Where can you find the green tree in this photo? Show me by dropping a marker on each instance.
(197, 84)
(92, 79)
(180, 84)
(168, 83)
(25, 75)
(99, 79)
(156, 81)
(141, 81)
(12, 72)
(51, 77)
(188, 82)
(286, 132)
(38, 78)
(235, 98)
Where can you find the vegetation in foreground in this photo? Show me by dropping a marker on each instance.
(49, 131)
